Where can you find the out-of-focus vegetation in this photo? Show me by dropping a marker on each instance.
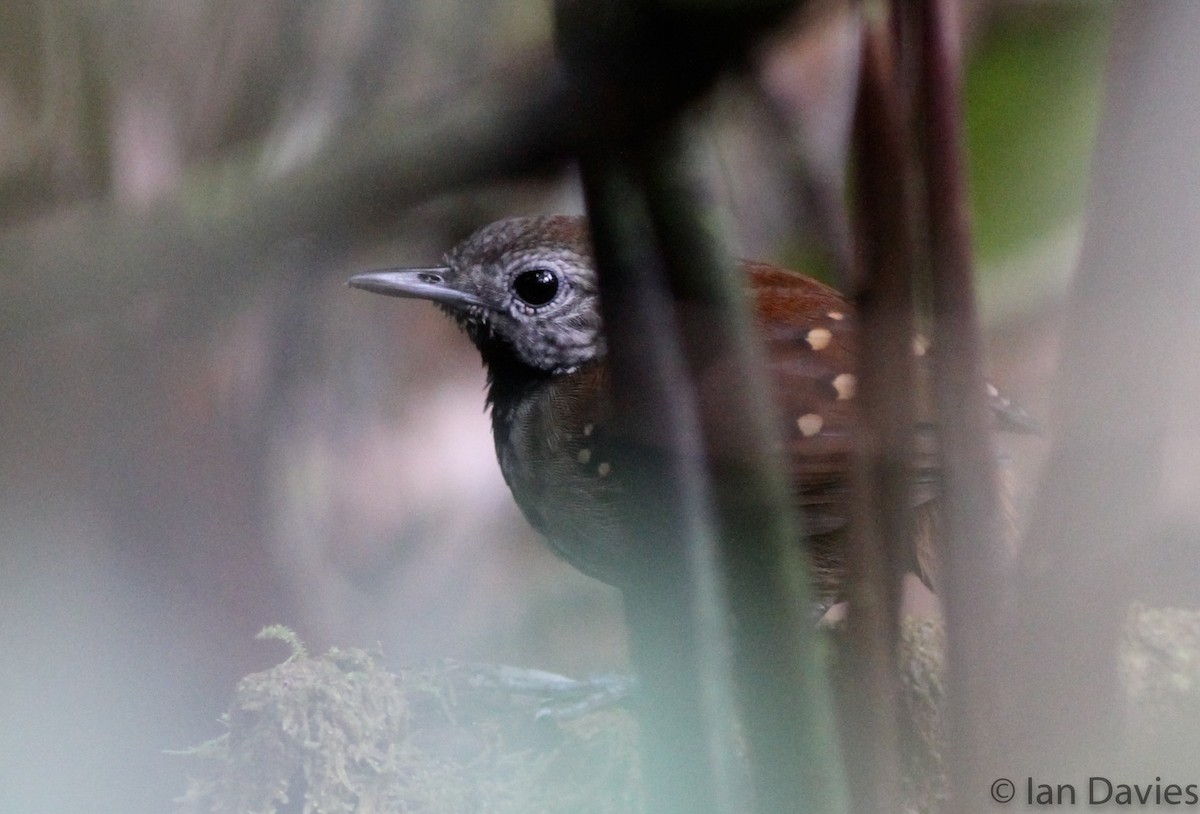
(205, 432)
(1033, 91)
(1033, 95)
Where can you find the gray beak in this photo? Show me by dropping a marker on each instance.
(434, 284)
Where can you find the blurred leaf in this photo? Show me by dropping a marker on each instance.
(1033, 92)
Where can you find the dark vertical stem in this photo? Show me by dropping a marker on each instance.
(665, 279)
(881, 535)
(781, 681)
(903, 24)
(718, 610)
(973, 541)
(676, 610)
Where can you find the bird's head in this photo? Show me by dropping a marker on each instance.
(523, 289)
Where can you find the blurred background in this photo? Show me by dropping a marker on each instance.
(205, 432)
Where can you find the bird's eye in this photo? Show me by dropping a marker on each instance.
(535, 286)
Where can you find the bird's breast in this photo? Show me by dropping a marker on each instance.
(553, 447)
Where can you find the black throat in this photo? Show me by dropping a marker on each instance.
(510, 382)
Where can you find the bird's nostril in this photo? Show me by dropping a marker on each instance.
(430, 277)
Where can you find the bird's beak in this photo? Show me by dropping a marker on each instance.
(434, 284)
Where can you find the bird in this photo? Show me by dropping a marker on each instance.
(525, 292)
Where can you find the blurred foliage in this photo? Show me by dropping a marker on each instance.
(1033, 92)
(154, 436)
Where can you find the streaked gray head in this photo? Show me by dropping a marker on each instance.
(522, 288)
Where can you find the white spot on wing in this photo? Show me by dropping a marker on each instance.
(818, 338)
(810, 424)
(845, 384)
(584, 455)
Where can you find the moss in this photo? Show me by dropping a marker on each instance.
(340, 734)
(1160, 666)
(922, 674)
